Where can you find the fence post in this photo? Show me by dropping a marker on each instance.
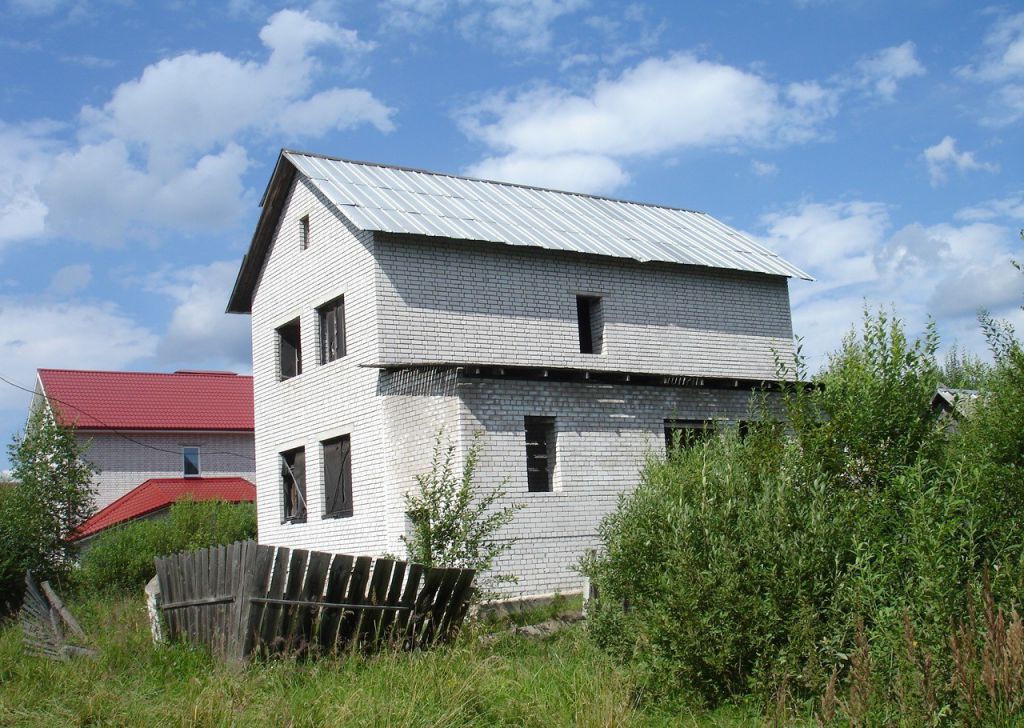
(238, 640)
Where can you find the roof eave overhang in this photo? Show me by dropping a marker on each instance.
(272, 204)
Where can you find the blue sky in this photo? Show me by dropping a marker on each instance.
(877, 145)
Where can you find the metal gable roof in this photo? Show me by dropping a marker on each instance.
(398, 200)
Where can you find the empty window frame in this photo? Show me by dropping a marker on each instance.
(687, 433)
(337, 477)
(289, 341)
(332, 330)
(293, 484)
(304, 232)
(590, 319)
(190, 462)
(540, 454)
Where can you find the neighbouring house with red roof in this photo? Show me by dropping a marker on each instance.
(155, 437)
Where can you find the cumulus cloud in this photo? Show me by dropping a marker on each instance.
(763, 169)
(1001, 65)
(660, 105)
(881, 72)
(944, 156)
(166, 150)
(945, 270)
(71, 334)
(591, 173)
(200, 333)
(1010, 208)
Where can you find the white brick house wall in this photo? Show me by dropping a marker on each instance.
(442, 301)
(123, 465)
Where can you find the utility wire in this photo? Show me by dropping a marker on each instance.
(109, 428)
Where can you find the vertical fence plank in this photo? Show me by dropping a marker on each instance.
(376, 595)
(312, 590)
(356, 595)
(457, 604)
(337, 580)
(166, 596)
(392, 600)
(408, 600)
(296, 573)
(421, 609)
(257, 563)
(444, 595)
(271, 612)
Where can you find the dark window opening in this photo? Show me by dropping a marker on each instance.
(332, 330)
(290, 345)
(293, 479)
(190, 462)
(338, 477)
(304, 232)
(540, 453)
(590, 320)
(687, 433)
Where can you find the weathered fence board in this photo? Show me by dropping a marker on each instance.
(247, 598)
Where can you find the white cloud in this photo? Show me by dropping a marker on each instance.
(200, 333)
(165, 152)
(25, 152)
(70, 279)
(573, 172)
(763, 169)
(945, 270)
(68, 334)
(411, 16)
(882, 71)
(522, 26)
(1008, 208)
(1001, 64)
(944, 156)
(658, 106)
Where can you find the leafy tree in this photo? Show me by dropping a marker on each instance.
(963, 370)
(454, 523)
(53, 496)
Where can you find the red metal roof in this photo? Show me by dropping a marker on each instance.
(185, 400)
(160, 493)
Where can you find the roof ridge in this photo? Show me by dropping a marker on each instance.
(483, 180)
(194, 373)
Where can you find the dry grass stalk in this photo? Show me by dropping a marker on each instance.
(858, 704)
(829, 701)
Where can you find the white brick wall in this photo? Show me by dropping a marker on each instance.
(124, 465)
(325, 400)
(507, 305)
(446, 301)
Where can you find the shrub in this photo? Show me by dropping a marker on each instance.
(52, 497)
(749, 565)
(121, 559)
(454, 523)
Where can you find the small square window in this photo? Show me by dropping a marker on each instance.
(687, 433)
(540, 453)
(304, 232)
(190, 462)
(290, 350)
(293, 481)
(590, 319)
(332, 330)
(337, 477)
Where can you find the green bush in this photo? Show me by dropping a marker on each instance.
(739, 566)
(121, 559)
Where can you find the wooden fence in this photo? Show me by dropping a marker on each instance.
(247, 599)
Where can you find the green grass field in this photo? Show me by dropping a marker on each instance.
(507, 681)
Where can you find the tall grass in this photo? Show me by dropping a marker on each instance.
(503, 681)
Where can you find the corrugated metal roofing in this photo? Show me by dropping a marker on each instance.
(399, 200)
(186, 400)
(158, 493)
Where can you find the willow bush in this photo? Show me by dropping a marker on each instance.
(738, 565)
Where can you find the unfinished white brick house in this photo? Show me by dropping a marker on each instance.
(569, 331)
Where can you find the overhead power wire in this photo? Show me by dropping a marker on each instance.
(109, 428)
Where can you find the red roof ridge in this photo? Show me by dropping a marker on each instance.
(179, 372)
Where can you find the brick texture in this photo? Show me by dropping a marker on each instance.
(443, 301)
